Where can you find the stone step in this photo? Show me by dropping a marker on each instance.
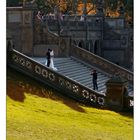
(80, 72)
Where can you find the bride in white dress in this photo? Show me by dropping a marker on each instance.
(51, 61)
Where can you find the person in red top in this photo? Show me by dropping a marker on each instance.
(94, 79)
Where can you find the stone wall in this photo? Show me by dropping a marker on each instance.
(14, 26)
(19, 26)
(116, 42)
(106, 37)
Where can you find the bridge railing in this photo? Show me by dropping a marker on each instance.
(42, 32)
(69, 87)
(129, 102)
(52, 78)
(101, 63)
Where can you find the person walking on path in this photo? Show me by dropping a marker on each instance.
(94, 79)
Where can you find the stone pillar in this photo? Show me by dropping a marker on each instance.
(9, 42)
(27, 32)
(116, 89)
(64, 46)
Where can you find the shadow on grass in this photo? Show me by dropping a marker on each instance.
(18, 84)
(14, 91)
(127, 114)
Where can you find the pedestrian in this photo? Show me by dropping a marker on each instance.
(94, 79)
(48, 61)
(51, 61)
(82, 18)
(39, 15)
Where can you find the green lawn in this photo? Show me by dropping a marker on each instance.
(36, 112)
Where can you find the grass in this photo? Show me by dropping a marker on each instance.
(36, 112)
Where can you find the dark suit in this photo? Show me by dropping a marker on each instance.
(94, 79)
(48, 58)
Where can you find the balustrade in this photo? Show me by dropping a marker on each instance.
(46, 75)
(101, 63)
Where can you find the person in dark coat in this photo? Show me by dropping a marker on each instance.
(94, 79)
(48, 58)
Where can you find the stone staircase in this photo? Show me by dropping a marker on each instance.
(79, 71)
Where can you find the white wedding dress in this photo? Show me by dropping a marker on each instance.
(51, 61)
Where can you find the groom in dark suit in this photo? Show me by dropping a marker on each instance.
(48, 57)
